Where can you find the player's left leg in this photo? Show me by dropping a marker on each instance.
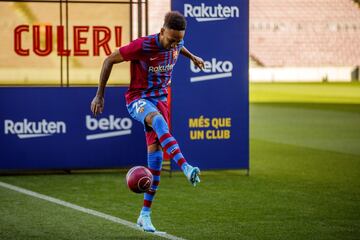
(154, 114)
(159, 121)
(155, 158)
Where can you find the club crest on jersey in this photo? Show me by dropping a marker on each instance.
(175, 54)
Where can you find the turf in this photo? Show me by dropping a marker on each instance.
(304, 183)
(306, 92)
(25, 217)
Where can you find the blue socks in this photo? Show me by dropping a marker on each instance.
(154, 164)
(167, 141)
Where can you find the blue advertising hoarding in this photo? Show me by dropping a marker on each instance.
(52, 128)
(210, 107)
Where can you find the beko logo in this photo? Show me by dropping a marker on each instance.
(110, 127)
(214, 69)
(29, 129)
(205, 13)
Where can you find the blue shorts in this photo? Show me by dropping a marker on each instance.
(140, 108)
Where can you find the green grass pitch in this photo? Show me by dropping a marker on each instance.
(304, 182)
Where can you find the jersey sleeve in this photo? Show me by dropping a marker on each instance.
(132, 51)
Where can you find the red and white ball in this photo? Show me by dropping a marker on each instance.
(139, 179)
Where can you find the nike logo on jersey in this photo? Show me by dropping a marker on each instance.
(154, 58)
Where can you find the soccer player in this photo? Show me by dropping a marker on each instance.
(152, 60)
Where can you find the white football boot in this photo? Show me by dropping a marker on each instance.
(192, 174)
(144, 221)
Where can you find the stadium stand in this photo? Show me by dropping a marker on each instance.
(289, 37)
(297, 40)
(304, 33)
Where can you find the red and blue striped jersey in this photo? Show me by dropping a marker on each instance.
(150, 68)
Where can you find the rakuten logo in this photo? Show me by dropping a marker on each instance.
(215, 69)
(205, 13)
(28, 129)
(160, 68)
(113, 126)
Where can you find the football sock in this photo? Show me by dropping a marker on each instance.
(167, 141)
(154, 165)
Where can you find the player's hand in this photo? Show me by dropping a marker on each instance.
(97, 105)
(198, 61)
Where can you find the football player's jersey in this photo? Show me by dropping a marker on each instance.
(150, 68)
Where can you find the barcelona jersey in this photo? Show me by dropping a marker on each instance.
(151, 67)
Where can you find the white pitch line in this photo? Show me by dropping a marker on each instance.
(85, 210)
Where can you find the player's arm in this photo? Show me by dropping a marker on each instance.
(198, 61)
(97, 104)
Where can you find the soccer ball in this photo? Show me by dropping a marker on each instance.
(139, 179)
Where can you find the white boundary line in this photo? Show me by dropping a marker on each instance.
(84, 210)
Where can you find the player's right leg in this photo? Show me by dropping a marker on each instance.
(138, 110)
(155, 158)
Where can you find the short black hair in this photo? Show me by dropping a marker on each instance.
(175, 20)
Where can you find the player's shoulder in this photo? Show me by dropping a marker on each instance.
(144, 43)
(151, 37)
(151, 42)
(140, 40)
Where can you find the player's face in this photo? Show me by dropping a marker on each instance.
(170, 38)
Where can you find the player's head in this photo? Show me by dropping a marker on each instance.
(173, 30)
